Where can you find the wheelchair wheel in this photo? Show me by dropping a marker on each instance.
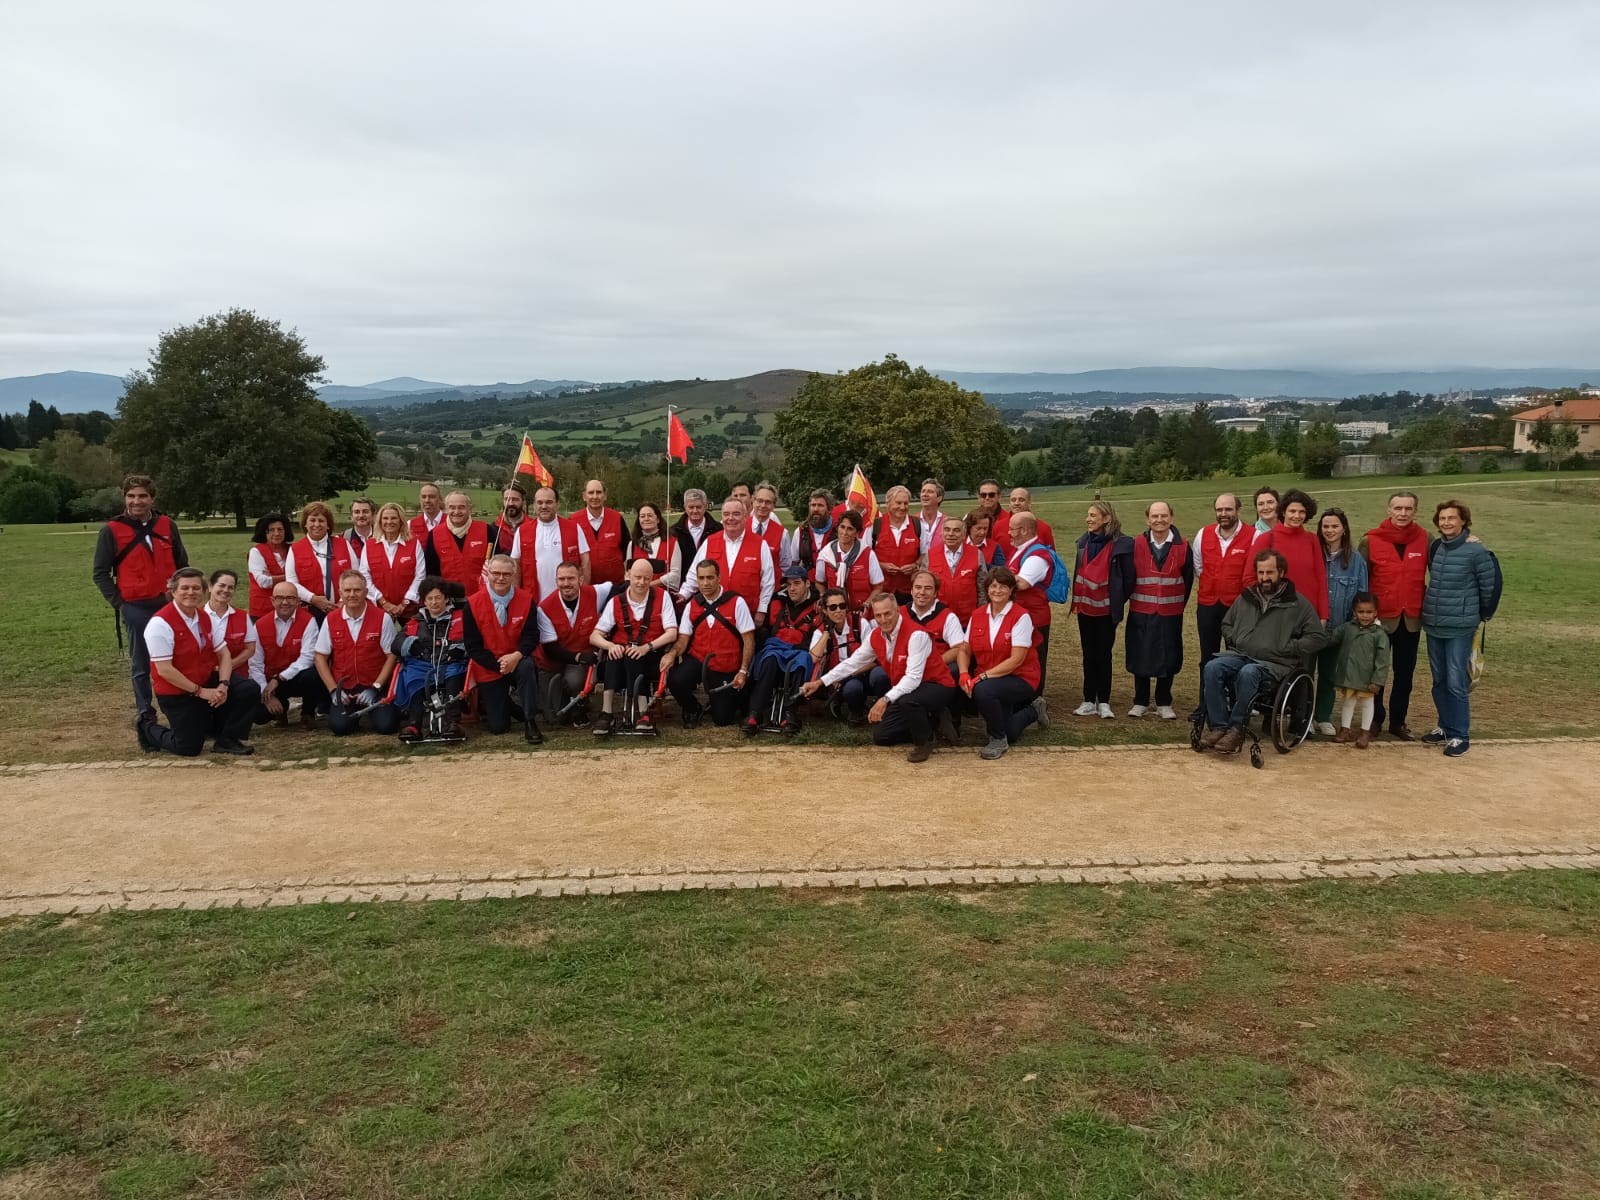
(1195, 728)
(1292, 710)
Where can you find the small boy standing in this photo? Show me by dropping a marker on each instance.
(1360, 669)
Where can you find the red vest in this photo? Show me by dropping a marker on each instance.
(772, 535)
(462, 564)
(394, 580)
(900, 551)
(934, 671)
(499, 639)
(528, 538)
(987, 652)
(145, 569)
(626, 629)
(1091, 583)
(275, 657)
(192, 658)
(932, 625)
(605, 547)
(662, 554)
(959, 589)
(1221, 571)
(1396, 580)
(235, 638)
(841, 643)
(308, 565)
(793, 628)
(713, 642)
(1000, 528)
(261, 597)
(742, 577)
(1158, 590)
(419, 527)
(356, 662)
(857, 584)
(573, 636)
(1034, 600)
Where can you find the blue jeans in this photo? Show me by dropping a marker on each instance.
(135, 616)
(1229, 686)
(1447, 659)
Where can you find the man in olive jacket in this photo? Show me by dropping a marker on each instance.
(1270, 631)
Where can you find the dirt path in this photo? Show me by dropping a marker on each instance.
(770, 809)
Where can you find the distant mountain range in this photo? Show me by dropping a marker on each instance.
(405, 390)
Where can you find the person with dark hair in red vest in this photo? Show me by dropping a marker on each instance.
(355, 656)
(317, 560)
(999, 668)
(458, 546)
(1397, 574)
(921, 688)
(239, 630)
(430, 501)
(546, 542)
(1153, 642)
(284, 663)
(1102, 578)
(137, 552)
(815, 532)
(1301, 547)
(716, 643)
(849, 563)
(567, 616)
(636, 627)
(1034, 568)
(502, 636)
(191, 674)
(956, 563)
(268, 561)
(607, 534)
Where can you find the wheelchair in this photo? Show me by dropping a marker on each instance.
(1286, 709)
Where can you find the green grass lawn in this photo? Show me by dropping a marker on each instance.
(1410, 1040)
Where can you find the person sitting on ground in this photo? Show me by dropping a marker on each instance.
(433, 660)
(268, 560)
(241, 632)
(1359, 669)
(921, 689)
(634, 637)
(502, 632)
(793, 619)
(836, 639)
(283, 665)
(849, 563)
(1270, 631)
(191, 674)
(355, 660)
(567, 617)
(999, 668)
(716, 642)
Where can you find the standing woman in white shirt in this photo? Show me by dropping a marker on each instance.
(394, 561)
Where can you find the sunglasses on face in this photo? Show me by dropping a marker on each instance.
(835, 607)
(988, 495)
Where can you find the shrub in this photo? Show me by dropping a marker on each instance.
(96, 505)
(1576, 463)
(1168, 470)
(1533, 462)
(1415, 466)
(1104, 480)
(1451, 465)
(1490, 464)
(1269, 462)
(29, 503)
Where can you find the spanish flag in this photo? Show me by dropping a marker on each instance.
(861, 498)
(528, 464)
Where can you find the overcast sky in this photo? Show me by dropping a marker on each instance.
(474, 192)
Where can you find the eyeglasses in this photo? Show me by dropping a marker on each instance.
(835, 607)
(988, 495)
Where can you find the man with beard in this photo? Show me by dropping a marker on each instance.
(513, 512)
(815, 532)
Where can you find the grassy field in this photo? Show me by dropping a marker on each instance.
(62, 675)
(1415, 1040)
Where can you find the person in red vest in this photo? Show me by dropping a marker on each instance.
(513, 512)
(849, 563)
(1034, 570)
(1301, 547)
(268, 561)
(921, 688)
(394, 562)
(458, 546)
(1163, 575)
(318, 559)
(355, 659)
(930, 515)
(548, 541)
(929, 613)
(1397, 574)
(191, 674)
(793, 618)
(815, 532)
(999, 670)
(745, 563)
(991, 553)
(634, 637)
(240, 631)
(836, 639)
(567, 616)
(1022, 502)
(716, 642)
(897, 541)
(284, 663)
(430, 502)
(653, 541)
(1218, 554)
(363, 515)
(766, 526)
(136, 554)
(1102, 580)
(501, 629)
(956, 563)
(989, 506)
(606, 533)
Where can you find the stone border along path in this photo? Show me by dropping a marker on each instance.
(148, 834)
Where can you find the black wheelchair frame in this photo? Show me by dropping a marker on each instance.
(1286, 716)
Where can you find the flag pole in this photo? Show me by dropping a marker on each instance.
(669, 460)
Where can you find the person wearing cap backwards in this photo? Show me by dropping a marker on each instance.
(793, 619)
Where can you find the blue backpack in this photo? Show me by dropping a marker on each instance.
(1060, 589)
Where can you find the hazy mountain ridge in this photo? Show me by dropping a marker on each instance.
(1331, 385)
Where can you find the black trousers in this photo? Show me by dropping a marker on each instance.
(911, 717)
(687, 675)
(1041, 647)
(1098, 636)
(190, 720)
(768, 676)
(342, 721)
(1141, 690)
(620, 673)
(1208, 623)
(307, 685)
(496, 697)
(1403, 645)
(1006, 705)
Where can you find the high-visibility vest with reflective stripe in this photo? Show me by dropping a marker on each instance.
(1158, 590)
(1091, 583)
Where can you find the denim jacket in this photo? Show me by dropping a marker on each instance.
(1343, 584)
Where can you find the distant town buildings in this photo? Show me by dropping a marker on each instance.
(1361, 431)
(1583, 414)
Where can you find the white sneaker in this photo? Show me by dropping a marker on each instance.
(1106, 713)
(1138, 710)
(1086, 709)
(1326, 729)
(1168, 713)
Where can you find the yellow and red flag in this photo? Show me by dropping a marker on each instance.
(679, 443)
(528, 464)
(861, 498)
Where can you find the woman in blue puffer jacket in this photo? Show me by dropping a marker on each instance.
(1463, 589)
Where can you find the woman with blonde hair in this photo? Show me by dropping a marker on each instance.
(1102, 581)
(394, 560)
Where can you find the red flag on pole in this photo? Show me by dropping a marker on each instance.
(528, 464)
(679, 443)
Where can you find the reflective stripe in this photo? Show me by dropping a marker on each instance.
(1086, 602)
(1156, 579)
(1158, 600)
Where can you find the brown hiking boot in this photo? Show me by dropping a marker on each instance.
(1402, 733)
(919, 753)
(1345, 736)
(1210, 738)
(1231, 741)
(1364, 739)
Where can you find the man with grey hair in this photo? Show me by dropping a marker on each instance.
(745, 563)
(1397, 570)
(897, 541)
(693, 527)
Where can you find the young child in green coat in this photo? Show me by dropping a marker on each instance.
(1360, 669)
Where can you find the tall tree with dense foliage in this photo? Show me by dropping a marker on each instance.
(1319, 450)
(901, 423)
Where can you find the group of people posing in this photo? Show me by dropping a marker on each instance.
(908, 623)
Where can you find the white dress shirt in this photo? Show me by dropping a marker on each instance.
(282, 629)
(917, 651)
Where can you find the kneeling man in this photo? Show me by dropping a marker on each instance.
(283, 665)
(355, 659)
(502, 636)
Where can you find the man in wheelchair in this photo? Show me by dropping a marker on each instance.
(1269, 631)
(433, 665)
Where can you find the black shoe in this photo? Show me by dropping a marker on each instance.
(230, 746)
(920, 753)
(751, 727)
(531, 734)
(141, 730)
(605, 726)
(947, 729)
(691, 718)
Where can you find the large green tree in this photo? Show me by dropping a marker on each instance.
(227, 418)
(351, 453)
(901, 423)
(1320, 449)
